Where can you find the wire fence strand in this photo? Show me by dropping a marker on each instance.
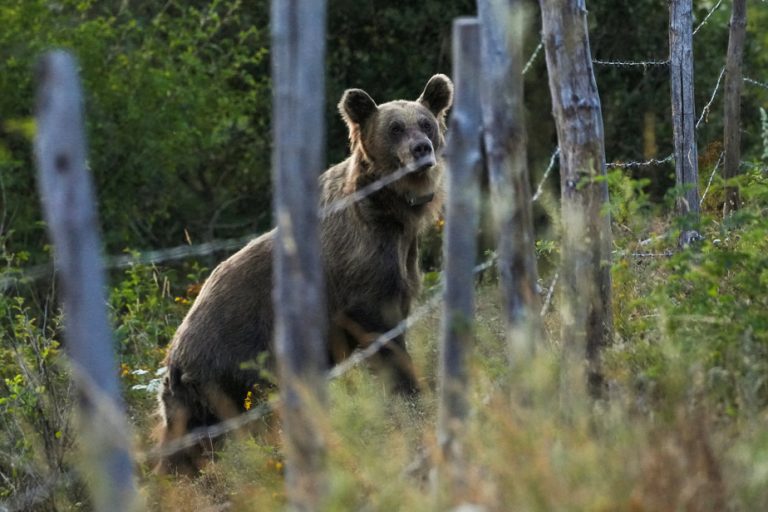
(752, 81)
(706, 18)
(181, 252)
(631, 63)
(705, 110)
(641, 163)
(546, 174)
(711, 177)
(533, 56)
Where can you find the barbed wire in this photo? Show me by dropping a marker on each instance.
(706, 18)
(665, 254)
(151, 257)
(711, 177)
(181, 252)
(550, 295)
(544, 177)
(653, 62)
(705, 110)
(210, 432)
(371, 188)
(643, 163)
(631, 63)
(533, 56)
(755, 82)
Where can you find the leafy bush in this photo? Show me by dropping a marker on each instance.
(35, 402)
(176, 106)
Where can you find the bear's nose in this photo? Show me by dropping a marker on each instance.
(421, 149)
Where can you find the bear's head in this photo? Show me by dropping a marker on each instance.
(404, 137)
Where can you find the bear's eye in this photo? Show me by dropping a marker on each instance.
(396, 129)
(426, 127)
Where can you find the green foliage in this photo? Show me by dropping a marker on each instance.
(700, 316)
(630, 205)
(764, 131)
(717, 302)
(35, 400)
(146, 312)
(176, 105)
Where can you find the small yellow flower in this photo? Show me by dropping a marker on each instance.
(248, 401)
(124, 369)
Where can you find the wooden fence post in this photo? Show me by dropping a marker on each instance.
(69, 209)
(683, 108)
(464, 160)
(586, 238)
(502, 32)
(733, 79)
(298, 66)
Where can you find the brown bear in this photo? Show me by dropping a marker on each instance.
(370, 258)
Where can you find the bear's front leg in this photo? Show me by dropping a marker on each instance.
(363, 325)
(394, 358)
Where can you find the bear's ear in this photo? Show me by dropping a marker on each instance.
(437, 95)
(356, 106)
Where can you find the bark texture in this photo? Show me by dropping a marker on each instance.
(586, 237)
(502, 34)
(733, 84)
(683, 108)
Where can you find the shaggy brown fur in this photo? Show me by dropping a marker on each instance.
(370, 255)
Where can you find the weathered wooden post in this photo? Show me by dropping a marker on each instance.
(733, 79)
(502, 33)
(298, 57)
(464, 160)
(586, 238)
(683, 108)
(69, 209)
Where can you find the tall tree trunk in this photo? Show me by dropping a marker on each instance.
(69, 207)
(683, 108)
(463, 159)
(298, 56)
(733, 79)
(586, 238)
(502, 34)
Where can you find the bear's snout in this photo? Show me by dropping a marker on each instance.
(423, 155)
(420, 149)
